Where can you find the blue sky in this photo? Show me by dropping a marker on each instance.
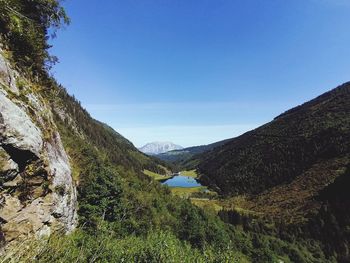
(198, 71)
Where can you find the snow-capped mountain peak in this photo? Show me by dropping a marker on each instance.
(154, 148)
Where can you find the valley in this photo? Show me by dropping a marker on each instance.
(75, 189)
(276, 173)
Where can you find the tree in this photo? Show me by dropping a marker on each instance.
(25, 28)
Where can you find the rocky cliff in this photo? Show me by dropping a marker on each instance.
(37, 192)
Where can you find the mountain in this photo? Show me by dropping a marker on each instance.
(155, 148)
(294, 170)
(293, 144)
(181, 156)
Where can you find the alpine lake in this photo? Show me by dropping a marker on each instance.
(179, 180)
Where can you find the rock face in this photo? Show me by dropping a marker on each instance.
(37, 193)
(154, 148)
(7, 76)
(17, 129)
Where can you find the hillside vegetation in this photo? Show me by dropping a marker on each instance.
(124, 215)
(293, 144)
(291, 172)
(182, 159)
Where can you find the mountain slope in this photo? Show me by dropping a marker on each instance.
(291, 145)
(155, 148)
(292, 172)
(118, 149)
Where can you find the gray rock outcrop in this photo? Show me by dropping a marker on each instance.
(37, 192)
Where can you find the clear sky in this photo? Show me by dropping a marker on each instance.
(198, 71)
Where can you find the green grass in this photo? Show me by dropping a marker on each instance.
(206, 204)
(191, 173)
(165, 169)
(156, 176)
(186, 192)
(158, 246)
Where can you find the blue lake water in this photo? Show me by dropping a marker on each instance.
(181, 181)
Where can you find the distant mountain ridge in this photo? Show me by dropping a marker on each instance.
(183, 155)
(154, 148)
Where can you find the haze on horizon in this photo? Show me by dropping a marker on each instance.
(195, 72)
